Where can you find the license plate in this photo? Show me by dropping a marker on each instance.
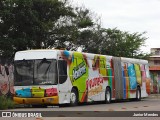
(49, 99)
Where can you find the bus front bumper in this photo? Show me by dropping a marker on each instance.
(44, 100)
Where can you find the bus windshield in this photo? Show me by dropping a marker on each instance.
(35, 72)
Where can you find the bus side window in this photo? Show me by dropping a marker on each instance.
(109, 68)
(95, 63)
(147, 71)
(75, 62)
(62, 67)
(102, 64)
(143, 72)
(90, 63)
(125, 68)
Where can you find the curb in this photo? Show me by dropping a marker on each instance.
(154, 96)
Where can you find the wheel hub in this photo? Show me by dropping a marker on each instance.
(73, 97)
(138, 95)
(108, 96)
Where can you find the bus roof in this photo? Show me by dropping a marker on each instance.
(53, 54)
(35, 54)
(133, 60)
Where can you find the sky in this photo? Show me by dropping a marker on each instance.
(129, 15)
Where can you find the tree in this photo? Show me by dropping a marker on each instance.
(36, 24)
(114, 42)
(123, 44)
(69, 30)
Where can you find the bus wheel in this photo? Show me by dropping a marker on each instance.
(138, 94)
(39, 106)
(74, 97)
(108, 96)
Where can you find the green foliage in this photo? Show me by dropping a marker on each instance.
(114, 42)
(123, 44)
(37, 24)
(6, 103)
(143, 56)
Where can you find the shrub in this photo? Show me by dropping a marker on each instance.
(6, 103)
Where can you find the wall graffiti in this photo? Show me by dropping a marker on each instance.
(155, 86)
(6, 79)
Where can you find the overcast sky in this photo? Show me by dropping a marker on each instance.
(129, 15)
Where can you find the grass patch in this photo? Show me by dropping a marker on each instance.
(6, 103)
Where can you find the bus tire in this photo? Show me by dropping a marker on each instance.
(74, 97)
(108, 95)
(39, 106)
(138, 94)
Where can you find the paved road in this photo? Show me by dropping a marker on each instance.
(143, 105)
(148, 104)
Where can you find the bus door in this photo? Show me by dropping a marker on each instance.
(63, 84)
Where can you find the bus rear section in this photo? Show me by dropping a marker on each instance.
(132, 79)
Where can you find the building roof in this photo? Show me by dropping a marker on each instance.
(154, 67)
(155, 56)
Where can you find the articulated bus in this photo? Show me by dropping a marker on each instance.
(55, 77)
